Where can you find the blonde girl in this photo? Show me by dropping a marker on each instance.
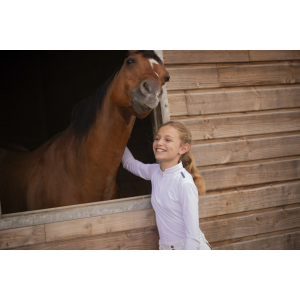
(176, 185)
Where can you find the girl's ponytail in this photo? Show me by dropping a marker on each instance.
(187, 158)
(189, 164)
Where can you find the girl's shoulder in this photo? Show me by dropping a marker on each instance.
(185, 177)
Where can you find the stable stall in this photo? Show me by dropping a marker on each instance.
(243, 109)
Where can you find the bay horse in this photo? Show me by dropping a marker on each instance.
(79, 165)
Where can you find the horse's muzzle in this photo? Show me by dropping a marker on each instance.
(142, 103)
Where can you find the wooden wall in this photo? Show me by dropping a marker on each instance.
(108, 225)
(243, 109)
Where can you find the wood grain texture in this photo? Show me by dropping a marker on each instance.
(251, 173)
(192, 77)
(204, 56)
(246, 149)
(249, 199)
(17, 237)
(286, 241)
(99, 225)
(252, 74)
(200, 76)
(178, 104)
(137, 239)
(265, 55)
(215, 56)
(229, 100)
(249, 224)
(242, 124)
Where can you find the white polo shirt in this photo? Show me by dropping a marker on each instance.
(174, 199)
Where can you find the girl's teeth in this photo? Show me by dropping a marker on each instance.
(158, 150)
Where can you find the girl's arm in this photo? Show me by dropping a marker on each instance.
(189, 201)
(136, 167)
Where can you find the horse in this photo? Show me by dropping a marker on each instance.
(79, 165)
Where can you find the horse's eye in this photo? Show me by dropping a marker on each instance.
(167, 78)
(130, 60)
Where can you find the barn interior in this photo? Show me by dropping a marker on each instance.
(38, 90)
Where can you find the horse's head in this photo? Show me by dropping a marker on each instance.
(138, 85)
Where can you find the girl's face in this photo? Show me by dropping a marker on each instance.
(167, 145)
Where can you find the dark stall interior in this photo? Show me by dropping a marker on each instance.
(38, 90)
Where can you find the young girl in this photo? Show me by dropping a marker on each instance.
(176, 184)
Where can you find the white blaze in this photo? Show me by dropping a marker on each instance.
(153, 61)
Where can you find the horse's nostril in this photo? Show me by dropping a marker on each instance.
(146, 86)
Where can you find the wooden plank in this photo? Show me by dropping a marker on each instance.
(265, 55)
(228, 100)
(204, 56)
(242, 124)
(73, 212)
(246, 149)
(178, 104)
(192, 77)
(258, 73)
(137, 239)
(249, 199)
(249, 224)
(244, 174)
(17, 237)
(287, 241)
(99, 225)
(164, 103)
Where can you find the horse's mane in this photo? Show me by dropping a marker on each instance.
(85, 112)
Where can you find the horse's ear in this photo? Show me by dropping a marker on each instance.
(131, 52)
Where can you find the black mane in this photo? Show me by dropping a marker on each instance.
(84, 113)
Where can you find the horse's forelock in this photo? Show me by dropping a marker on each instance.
(150, 54)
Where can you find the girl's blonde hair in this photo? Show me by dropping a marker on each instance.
(187, 158)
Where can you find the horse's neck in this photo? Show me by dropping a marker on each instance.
(109, 135)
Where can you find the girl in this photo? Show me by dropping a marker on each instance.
(176, 184)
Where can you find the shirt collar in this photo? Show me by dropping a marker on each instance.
(173, 170)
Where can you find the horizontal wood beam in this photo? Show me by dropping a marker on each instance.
(267, 55)
(74, 212)
(242, 124)
(187, 77)
(245, 174)
(250, 224)
(204, 56)
(137, 239)
(286, 72)
(99, 225)
(249, 199)
(218, 56)
(246, 149)
(279, 241)
(230, 100)
(13, 238)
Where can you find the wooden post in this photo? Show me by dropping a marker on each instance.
(164, 103)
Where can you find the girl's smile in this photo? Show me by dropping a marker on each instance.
(167, 147)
